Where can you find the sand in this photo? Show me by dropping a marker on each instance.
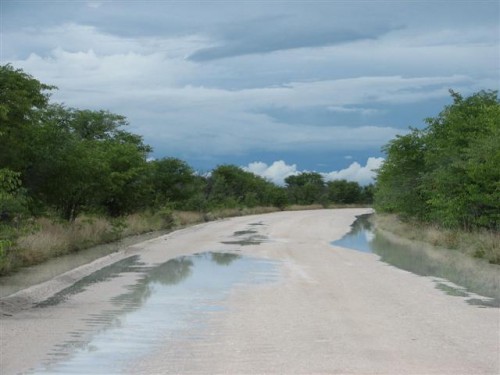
(333, 310)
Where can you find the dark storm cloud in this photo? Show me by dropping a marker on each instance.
(270, 38)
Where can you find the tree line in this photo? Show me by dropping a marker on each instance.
(63, 162)
(448, 173)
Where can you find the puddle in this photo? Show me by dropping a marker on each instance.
(256, 239)
(170, 301)
(243, 232)
(463, 276)
(252, 237)
(259, 223)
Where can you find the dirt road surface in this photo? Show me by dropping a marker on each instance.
(330, 310)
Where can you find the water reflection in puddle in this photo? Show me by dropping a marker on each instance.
(247, 237)
(170, 300)
(255, 239)
(454, 273)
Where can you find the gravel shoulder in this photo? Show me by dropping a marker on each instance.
(332, 311)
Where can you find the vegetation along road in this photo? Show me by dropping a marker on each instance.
(255, 294)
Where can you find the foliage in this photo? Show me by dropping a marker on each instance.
(398, 180)
(306, 188)
(13, 200)
(174, 182)
(230, 186)
(84, 160)
(447, 173)
(21, 99)
(343, 191)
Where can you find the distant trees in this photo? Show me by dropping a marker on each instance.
(449, 172)
(306, 188)
(310, 188)
(173, 182)
(232, 186)
(348, 192)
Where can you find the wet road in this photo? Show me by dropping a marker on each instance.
(258, 294)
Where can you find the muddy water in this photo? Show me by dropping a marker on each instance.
(454, 273)
(169, 300)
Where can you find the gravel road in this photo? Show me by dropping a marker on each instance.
(329, 311)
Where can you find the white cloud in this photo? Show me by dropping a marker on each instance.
(279, 171)
(356, 172)
(276, 172)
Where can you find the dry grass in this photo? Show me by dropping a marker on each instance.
(141, 223)
(185, 218)
(53, 238)
(259, 210)
(480, 244)
(297, 207)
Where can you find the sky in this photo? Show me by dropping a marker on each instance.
(276, 87)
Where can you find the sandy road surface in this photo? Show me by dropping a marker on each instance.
(332, 310)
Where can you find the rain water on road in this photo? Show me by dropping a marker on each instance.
(170, 300)
(454, 273)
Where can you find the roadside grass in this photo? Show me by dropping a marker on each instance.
(44, 238)
(479, 244)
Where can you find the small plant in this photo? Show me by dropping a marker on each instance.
(167, 217)
(5, 246)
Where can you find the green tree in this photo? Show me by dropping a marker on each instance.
(126, 188)
(462, 147)
(367, 193)
(306, 188)
(100, 169)
(399, 179)
(343, 191)
(231, 186)
(21, 100)
(173, 182)
(13, 199)
(447, 173)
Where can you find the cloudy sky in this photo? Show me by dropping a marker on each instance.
(277, 87)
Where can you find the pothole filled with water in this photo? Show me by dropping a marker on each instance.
(170, 300)
(454, 273)
(247, 237)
